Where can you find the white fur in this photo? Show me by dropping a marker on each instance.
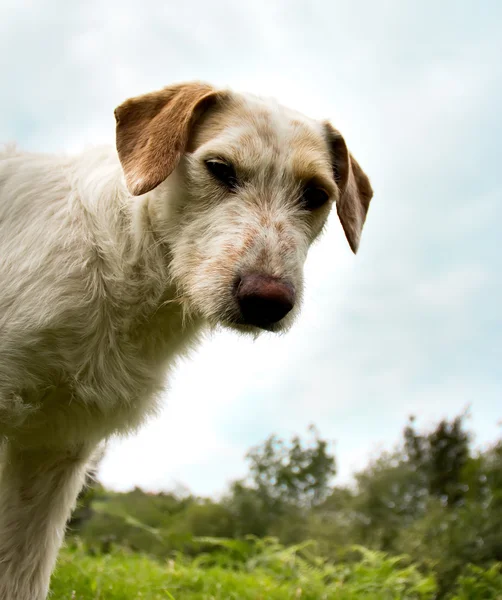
(100, 292)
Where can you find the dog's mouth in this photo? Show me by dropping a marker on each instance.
(238, 324)
(248, 328)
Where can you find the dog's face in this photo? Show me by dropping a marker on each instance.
(241, 189)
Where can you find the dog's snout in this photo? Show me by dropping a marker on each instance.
(264, 300)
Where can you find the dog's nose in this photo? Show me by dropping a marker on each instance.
(264, 300)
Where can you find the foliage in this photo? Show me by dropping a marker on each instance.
(265, 570)
(439, 458)
(479, 584)
(291, 473)
(432, 498)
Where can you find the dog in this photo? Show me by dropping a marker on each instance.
(114, 262)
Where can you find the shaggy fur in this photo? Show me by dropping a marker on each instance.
(113, 262)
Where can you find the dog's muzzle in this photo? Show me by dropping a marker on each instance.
(263, 300)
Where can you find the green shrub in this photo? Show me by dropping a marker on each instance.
(479, 584)
(250, 569)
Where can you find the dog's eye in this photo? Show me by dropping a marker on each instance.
(314, 197)
(223, 172)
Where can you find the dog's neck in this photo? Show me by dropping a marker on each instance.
(136, 266)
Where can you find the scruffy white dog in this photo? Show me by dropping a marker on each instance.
(114, 261)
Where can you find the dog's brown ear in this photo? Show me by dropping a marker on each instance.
(354, 185)
(153, 132)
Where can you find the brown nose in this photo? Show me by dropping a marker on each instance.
(264, 300)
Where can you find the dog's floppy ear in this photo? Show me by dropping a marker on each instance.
(354, 185)
(153, 132)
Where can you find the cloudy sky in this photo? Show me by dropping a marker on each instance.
(413, 324)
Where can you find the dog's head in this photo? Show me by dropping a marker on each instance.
(241, 188)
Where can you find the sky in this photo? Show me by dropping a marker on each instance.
(413, 323)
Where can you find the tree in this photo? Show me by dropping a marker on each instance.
(286, 480)
(294, 474)
(440, 458)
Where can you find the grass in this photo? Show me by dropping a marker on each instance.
(277, 573)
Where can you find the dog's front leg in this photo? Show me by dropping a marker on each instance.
(38, 490)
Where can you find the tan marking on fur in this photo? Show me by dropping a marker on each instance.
(262, 256)
(355, 187)
(263, 128)
(286, 244)
(265, 220)
(226, 113)
(310, 159)
(153, 132)
(248, 240)
(230, 253)
(280, 227)
(219, 267)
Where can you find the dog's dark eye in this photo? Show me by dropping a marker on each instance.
(314, 197)
(223, 172)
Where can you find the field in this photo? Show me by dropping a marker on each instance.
(269, 572)
(423, 523)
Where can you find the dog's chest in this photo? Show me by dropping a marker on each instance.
(111, 381)
(129, 359)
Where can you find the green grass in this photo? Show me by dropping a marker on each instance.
(276, 573)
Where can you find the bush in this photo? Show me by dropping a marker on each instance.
(250, 569)
(479, 584)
